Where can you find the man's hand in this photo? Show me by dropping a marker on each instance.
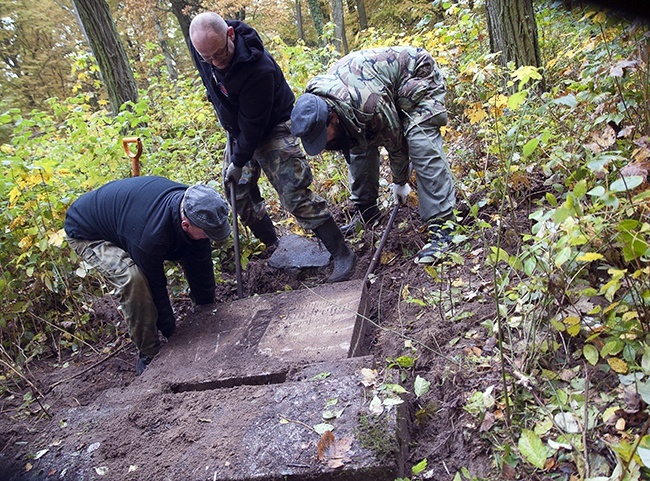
(401, 193)
(233, 173)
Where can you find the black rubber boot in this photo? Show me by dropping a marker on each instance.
(264, 230)
(141, 366)
(364, 216)
(344, 259)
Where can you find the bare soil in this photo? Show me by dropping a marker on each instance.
(435, 317)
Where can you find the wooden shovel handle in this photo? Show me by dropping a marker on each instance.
(135, 157)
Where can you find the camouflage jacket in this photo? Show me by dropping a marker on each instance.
(380, 94)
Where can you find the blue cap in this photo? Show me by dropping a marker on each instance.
(309, 122)
(207, 210)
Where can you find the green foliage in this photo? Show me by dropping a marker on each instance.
(576, 284)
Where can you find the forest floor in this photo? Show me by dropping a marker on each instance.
(437, 316)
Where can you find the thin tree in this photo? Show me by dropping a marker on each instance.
(363, 18)
(169, 58)
(101, 34)
(301, 29)
(340, 40)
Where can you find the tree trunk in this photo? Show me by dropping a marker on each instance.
(340, 40)
(363, 18)
(162, 40)
(317, 18)
(513, 31)
(184, 12)
(301, 30)
(108, 50)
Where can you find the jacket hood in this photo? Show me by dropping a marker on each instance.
(249, 45)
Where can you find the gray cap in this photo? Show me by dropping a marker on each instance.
(309, 122)
(207, 210)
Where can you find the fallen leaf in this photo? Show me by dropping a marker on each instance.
(321, 428)
(334, 453)
(368, 377)
(488, 422)
(376, 406)
(41, 453)
(326, 440)
(507, 471)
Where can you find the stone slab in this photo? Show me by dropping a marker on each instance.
(243, 433)
(298, 252)
(263, 334)
(236, 395)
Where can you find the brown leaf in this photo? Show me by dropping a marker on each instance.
(488, 422)
(334, 453)
(326, 441)
(635, 168)
(633, 401)
(507, 471)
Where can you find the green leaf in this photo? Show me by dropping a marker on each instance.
(551, 199)
(563, 256)
(626, 183)
(497, 255)
(322, 427)
(590, 353)
(644, 391)
(568, 100)
(421, 386)
(516, 99)
(530, 146)
(532, 448)
(644, 454)
(419, 467)
(597, 191)
(612, 348)
(405, 362)
(320, 376)
(396, 388)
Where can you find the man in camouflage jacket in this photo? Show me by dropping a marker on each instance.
(391, 97)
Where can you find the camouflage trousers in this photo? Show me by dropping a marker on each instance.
(435, 185)
(285, 165)
(131, 288)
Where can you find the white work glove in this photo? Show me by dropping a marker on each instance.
(401, 193)
(233, 173)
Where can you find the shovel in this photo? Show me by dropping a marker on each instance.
(384, 238)
(235, 226)
(134, 156)
(382, 242)
(235, 233)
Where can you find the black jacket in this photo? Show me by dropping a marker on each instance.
(252, 96)
(141, 215)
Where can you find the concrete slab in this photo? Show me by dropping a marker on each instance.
(243, 433)
(298, 252)
(236, 395)
(264, 334)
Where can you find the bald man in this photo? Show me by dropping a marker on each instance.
(253, 103)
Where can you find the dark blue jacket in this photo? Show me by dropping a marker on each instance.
(252, 96)
(141, 215)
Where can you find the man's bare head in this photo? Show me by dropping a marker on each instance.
(213, 39)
